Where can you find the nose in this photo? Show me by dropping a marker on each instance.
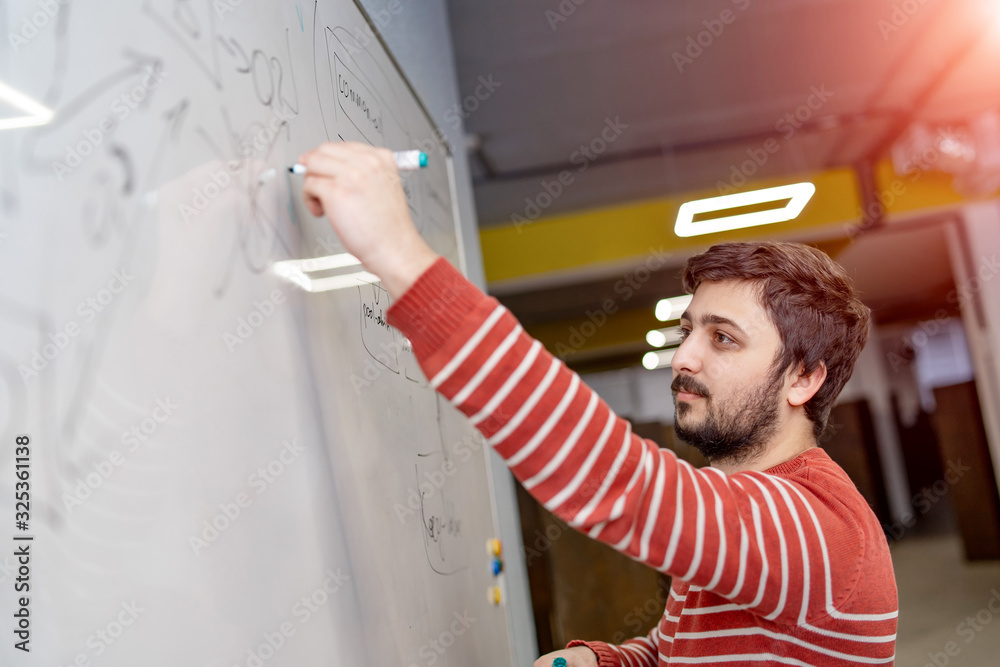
(687, 358)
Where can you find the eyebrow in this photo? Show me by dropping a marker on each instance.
(712, 318)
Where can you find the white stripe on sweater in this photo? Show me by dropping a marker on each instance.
(720, 559)
(778, 636)
(675, 531)
(588, 464)
(826, 566)
(567, 446)
(776, 519)
(618, 509)
(699, 543)
(470, 345)
(509, 385)
(609, 479)
(759, 530)
(806, 578)
(741, 657)
(529, 448)
(488, 366)
(526, 408)
(744, 552)
(654, 509)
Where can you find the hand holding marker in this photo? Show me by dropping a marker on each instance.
(341, 182)
(405, 161)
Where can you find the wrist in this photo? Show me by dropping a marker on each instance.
(589, 652)
(399, 272)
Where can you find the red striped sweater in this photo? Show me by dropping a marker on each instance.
(787, 566)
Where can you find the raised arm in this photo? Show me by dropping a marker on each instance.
(783, 547)
(760, 541)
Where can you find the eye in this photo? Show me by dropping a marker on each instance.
(723, 338)
(684, 333)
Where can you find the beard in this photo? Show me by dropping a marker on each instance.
(737, 432)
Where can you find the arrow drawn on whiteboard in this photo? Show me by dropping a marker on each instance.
(142, 65)
(188, 34)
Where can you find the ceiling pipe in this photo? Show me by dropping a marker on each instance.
(872, 208)
(664, 151)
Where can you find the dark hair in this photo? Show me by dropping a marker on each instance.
(809, 299)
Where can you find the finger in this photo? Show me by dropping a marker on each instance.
(312, 194)
(342, 151)
(322, 164)
(356, 154)
(314, 205)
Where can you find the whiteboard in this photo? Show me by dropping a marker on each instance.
(225, 469)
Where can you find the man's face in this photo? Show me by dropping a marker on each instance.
(728, 398)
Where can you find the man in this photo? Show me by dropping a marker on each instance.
(775, 556)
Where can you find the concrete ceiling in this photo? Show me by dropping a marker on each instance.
(857, 73)
(691, 115)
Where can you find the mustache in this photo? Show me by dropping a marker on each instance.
(688, 384)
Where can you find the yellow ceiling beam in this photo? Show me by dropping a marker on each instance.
(620, 234)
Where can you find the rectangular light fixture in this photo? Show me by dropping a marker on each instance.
(664, 337)
(672, 308)
(659, 359)
(37, 113)
(297, 271)
(798, 195)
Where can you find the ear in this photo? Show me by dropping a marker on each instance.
(806, 385)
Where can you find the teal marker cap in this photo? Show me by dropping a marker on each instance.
(559, 662)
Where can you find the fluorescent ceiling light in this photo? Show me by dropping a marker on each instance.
(297, 272)
(798, 195)
(672, 308)
(660, 359)
(656, 338)
(37, 114)
(664, 337)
